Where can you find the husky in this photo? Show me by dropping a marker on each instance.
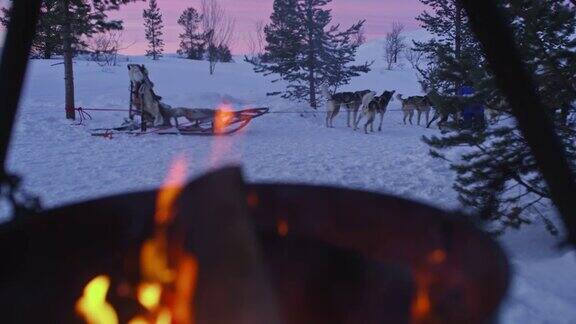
(351, 100)
(143, 95)
(154, 110)
(195, 115)
(371, 106)
(444, 107)
(421, 104)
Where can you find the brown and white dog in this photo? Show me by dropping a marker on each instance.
(373, 106)
(420, 104)
(351, 100)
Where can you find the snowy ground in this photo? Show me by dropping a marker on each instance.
(64, 164)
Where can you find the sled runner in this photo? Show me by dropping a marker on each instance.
(157, 117)
(229, 123)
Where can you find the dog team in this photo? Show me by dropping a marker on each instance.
(369, 105)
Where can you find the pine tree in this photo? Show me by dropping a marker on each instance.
(283, 42)
(79, 19)
(498, 177)
(304, 50)
(223, 54)
(48, 40)
(192, 43)
(153, 24)
(454, 50)
(64, 27)
(85, 22)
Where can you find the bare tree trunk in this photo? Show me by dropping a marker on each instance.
(68, 62)
(312, 82)
(219, 29)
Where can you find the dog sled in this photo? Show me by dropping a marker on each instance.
(148, 114)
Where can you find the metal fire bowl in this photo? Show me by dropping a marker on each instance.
(347, 257)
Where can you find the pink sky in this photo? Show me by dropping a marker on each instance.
(379, 15)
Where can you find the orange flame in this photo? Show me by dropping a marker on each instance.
(138, 320)
(168, 286)
(421, 305)
(171, 190)
(224, 116)
(165, 279)
(222, 147)
(252, 200)
(154, 259)
(282, 227)
(149, 295)
(437, 257)
(92, 306)
(185, 288)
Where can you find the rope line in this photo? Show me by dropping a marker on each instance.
(84, 110)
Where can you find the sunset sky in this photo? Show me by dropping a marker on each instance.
(379, 15)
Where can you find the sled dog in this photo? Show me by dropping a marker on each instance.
(444, 107)
(154, 109)
(351, 100)
(143, 95)
(193, 115)
(372, 106)
(420, 104)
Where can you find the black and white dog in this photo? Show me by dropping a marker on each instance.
(373, 106)
(351, 100)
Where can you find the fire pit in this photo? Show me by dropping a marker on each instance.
(221, 251)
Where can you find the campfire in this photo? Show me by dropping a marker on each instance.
(220, 251)
(168, 272)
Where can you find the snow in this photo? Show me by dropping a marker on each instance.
(62, 163)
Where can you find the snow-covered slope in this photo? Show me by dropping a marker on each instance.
(62, 163)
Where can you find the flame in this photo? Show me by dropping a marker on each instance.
(437, 257)
(138, 320)
(92, 306)
(169, 285)
(421, 305)
(171, 190)
(224, 116)
(282, 227)
(165, 317)
(169, 274)
(223, 146)
(185, 288)
(252, 200)
(149, 295)
(154, 259)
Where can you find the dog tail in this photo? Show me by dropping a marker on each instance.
(367, 99)
(326, 92)
(399, 97)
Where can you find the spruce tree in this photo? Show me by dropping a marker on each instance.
(153, 24)
(85, 22)
(47, 41)
(453, 49)
(283, 42)
(306, 51)
(192, 44)
(224, 54)
(63, 28)
(497, 177)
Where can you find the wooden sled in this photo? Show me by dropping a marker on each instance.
(224, 123)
